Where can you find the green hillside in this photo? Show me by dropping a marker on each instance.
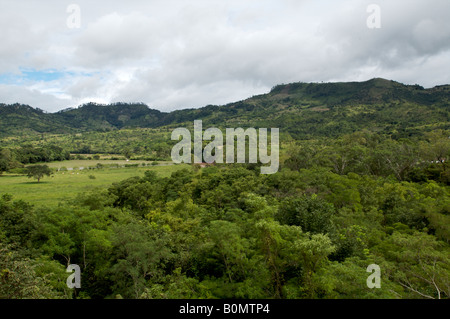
(304, 110)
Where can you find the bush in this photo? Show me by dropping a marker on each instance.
(18, 170)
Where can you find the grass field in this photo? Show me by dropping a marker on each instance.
(66, 185)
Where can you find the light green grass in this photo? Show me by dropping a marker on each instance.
(67, 185)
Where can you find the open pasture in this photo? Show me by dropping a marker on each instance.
(66, 185)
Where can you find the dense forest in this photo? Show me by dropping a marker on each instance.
(364, 179)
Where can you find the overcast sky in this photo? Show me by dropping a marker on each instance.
(187, 54)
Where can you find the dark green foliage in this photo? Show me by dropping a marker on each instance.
(20, 278)
(311, 213)
(15, 220)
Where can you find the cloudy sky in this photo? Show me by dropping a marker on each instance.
(175, 54)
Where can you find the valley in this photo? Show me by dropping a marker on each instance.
(363, 182)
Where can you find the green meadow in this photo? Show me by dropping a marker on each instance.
(62, 186)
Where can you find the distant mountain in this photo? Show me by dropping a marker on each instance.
(307, 110)
(19, 119)
(93, 116)
(304, 110)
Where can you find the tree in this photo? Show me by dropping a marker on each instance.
(313, 253)
(16, 220)
(4, 165)
(38, 171)
(141, 251)
(348, 280)
(18, 278)
(229, 247)
(5, 159)
(419, 263)
(311, 213)
(127, 153)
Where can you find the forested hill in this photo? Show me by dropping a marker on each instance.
(304, 110)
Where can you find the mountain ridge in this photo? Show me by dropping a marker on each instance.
(330, 105)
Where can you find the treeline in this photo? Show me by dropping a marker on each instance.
(154, 144)
(11, 158)
(226, 231)
(365, 153)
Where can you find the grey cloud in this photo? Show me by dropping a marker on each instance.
(115, 39)
(16, 94)
(410, 31)
(85, 87)
(176, 54)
